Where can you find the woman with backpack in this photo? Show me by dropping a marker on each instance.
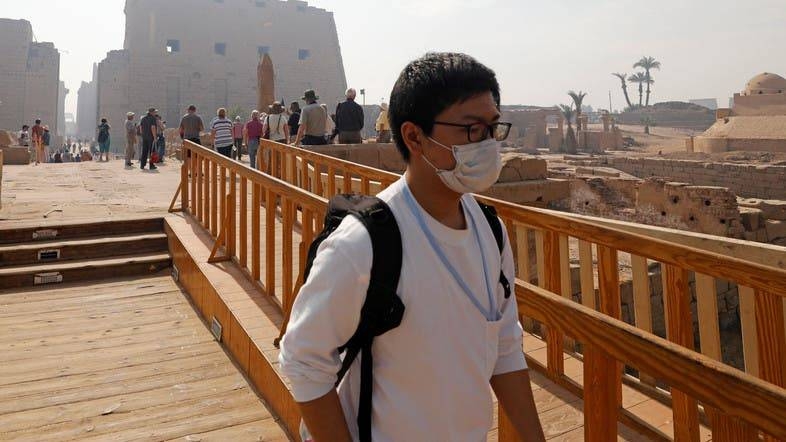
(103, 140)
(277, 124)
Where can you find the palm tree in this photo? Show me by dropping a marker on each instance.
(640, 78)
(570, 139)
(648, 64)
(623, 79)
(578, 98)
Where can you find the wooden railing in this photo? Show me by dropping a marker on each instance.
(545, 243)
(223, 194)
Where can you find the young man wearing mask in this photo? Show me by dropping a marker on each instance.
(459, 333)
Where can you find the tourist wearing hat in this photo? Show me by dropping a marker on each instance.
(46, 138)
(277, 124)
(312, 121)
(149, 129)
(131, 132)
(383, 125)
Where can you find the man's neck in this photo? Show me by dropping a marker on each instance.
(441, 203)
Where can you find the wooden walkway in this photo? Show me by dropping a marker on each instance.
(119, 360)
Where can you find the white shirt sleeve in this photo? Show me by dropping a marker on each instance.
(510, 356)
(326, 312)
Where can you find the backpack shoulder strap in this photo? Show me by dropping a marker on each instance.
(382, 310)
(490, 213)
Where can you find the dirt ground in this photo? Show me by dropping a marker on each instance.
(88, 190)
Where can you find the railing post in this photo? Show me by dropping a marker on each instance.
(601, 397)
(554, 336)
(270, 242)
(256, 201)
(679, 329)
(243, 222)
(611, 305)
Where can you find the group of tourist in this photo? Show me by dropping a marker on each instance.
(150, 130)
(37, 137)
(310, 125)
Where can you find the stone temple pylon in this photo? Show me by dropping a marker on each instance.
(266, 79)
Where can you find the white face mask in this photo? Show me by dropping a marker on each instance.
(477, 166)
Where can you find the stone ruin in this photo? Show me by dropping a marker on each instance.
(12, 152)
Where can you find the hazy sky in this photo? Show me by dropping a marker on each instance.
(708, 48)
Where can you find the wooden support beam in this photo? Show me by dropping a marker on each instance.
(679, 329)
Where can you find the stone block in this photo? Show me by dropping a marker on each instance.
(534, 192)
(775, 229)
(15, 155)
(7, 138)
(390, 159)
(518, 167)
(771, 209)
(751, 218)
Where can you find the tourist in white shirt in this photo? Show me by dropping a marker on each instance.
(459, 332)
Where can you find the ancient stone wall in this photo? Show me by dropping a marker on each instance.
(29, 77)
(205, 52)
(746, 180)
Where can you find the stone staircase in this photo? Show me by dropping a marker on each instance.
(73, 252)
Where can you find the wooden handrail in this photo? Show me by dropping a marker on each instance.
(596, 230)
(730, 391)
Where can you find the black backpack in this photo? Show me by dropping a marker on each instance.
(103, 133)
(382, 310)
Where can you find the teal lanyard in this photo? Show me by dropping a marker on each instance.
(492, 314)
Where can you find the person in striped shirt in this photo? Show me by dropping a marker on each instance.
(221, 129)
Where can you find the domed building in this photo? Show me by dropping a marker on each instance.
(755, 122)
(766, 84)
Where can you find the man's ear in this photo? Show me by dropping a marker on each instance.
(413, 138)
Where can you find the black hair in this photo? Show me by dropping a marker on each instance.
(24, 126)
(37, 121)
(103, 120)
(295, 106)
(429, 85)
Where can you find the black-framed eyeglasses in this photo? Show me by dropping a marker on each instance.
(477, 132)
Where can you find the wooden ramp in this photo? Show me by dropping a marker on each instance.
(119, 360)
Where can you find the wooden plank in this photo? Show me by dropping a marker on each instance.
(195, 189)
(540, 259)
(256, 201)
(286, 250)
(522, 253)
(232, 211)
(184, 186)
(243, 222)
(771, 339)
(270, 243)
(347, 181)
(717, 385)
(364, 185)
(750, 339)
(331, 181)
(222, 198)
(601, 401)
(587, 277)
(707, 310)
(642, 307)
(679, 329)
(609, 298)
(213, 204)
(318, 188)
(554, 336)
(729, 429)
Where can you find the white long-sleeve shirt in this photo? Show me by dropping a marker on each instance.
(431, 374)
